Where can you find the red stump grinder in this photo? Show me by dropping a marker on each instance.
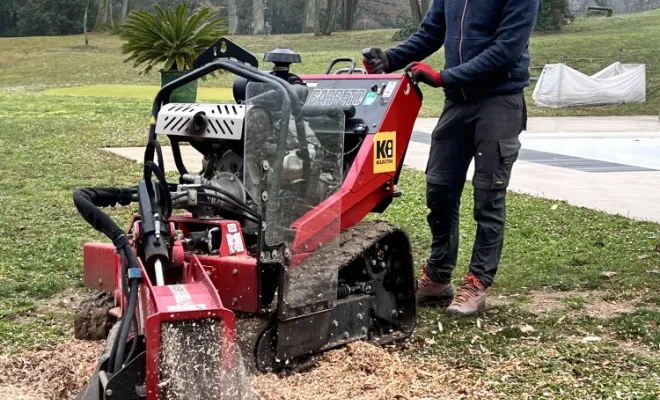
(264, 252)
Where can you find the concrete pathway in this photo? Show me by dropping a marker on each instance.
(605, 163)
(610, 164)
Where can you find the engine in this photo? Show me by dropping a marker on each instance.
(229, 181)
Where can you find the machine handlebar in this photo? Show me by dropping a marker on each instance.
(341, 59)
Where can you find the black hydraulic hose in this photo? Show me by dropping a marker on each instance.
(131, 353)
(88, 201)
(165, 190)
(250, 213)
(176, 153)
(228, 197)
(128, 261)
(245, 215)
(232, 197)
(125, 326)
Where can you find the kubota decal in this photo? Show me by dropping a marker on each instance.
(385, 152)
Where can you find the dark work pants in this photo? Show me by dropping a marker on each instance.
(487, 131)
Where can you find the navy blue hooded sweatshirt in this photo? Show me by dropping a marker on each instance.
(486, 45)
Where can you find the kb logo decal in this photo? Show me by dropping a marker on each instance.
(385, 152)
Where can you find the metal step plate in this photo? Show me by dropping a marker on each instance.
(224, 121)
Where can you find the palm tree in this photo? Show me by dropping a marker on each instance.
(171, 39)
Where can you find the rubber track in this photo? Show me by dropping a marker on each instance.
(352, 243)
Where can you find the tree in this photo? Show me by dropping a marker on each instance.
(258, 26)
(348, 12)
(124, 9)
(104, 16)
(325, 17)
(286, 16)
(310, 16)
(416, 12)
(425, 7)
(233, 17)
(49, 17)
(85, 22)
(8, 20)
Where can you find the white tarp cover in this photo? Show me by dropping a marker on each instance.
(562, 86)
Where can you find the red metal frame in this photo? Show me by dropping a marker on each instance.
(362, 189)
(213, 285)
(195, 299)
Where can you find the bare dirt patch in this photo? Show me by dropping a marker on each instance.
(595, 304)
(65, 301)
(636, 348)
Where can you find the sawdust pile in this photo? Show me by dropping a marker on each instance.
(59, 373)
(359, 371)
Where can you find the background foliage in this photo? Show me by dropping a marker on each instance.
(170, 39)
(44, 17)
(552, 15)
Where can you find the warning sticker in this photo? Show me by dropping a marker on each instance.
(389, 89)
(232, 228)
(183, 300)
(385, 152)
(235, 243)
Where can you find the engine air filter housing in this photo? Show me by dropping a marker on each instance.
(284, 57)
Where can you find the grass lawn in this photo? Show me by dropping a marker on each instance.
(32, 64)
(549, 301)
(148, 92)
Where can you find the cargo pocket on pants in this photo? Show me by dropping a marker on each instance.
(508, 150)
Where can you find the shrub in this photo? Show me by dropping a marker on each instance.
(170, 39)
(405, 32)
(552, 15)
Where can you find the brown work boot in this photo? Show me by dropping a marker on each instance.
(470, 298)
(432, 293)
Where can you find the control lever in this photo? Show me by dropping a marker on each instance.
(370, 53)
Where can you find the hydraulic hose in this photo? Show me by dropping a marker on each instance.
(88, 201)
(125, 326)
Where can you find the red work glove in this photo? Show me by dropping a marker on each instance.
(422, 72)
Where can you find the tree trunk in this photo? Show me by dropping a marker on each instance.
(124, 9)
(102, 16)
(233, 17)
(349, 10)
(425, 7)
(416, 12)
(110, 17)
(258, 27)
(310, 15)
(329, 18)
(85, 22)
(317, 18)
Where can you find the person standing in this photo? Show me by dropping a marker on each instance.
(486, 70)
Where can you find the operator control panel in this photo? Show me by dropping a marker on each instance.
(370, 97)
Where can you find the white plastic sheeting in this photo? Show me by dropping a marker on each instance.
(562, 86)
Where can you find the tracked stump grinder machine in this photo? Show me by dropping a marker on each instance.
(264, 252)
